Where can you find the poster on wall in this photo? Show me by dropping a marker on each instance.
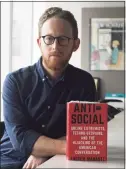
(107, 44)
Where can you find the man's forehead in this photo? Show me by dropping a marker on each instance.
(56, 27)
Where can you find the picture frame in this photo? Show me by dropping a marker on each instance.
(107, 44)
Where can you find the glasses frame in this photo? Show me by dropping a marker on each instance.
(57, 39)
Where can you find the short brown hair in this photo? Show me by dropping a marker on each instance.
(60, 13)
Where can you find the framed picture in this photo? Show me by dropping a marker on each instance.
(107, 44)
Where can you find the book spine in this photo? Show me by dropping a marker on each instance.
(68, 132)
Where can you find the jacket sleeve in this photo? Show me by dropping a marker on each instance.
(16, 119)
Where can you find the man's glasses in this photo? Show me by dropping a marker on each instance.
(62, 40)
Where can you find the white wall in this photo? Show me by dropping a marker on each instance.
(5, 45)
(5, 39)
(76, 9)
(38, 9)
(21, 35)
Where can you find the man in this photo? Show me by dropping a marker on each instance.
(35, 97)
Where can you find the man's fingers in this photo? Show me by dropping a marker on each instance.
(33, 166)
(29, 166)
(25, 165)
(32, 162)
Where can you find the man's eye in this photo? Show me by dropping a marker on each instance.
(49, 38)
(62, 38)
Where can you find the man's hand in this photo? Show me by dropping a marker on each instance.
(33, 162)
(46, 147)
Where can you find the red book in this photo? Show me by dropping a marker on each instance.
(87, 131)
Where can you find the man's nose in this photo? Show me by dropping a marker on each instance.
(55, 44)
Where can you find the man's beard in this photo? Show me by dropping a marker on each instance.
(56, 64)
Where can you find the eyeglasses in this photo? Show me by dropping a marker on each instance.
(62, 40)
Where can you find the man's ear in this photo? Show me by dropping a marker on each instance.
(76, 44)
(39, 42)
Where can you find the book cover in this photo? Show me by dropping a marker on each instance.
(87, 131)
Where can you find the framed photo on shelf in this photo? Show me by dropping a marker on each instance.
(107, 44)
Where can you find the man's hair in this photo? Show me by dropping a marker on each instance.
(59, 13)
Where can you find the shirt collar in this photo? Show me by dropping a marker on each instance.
(40, 69)
(43, 74)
